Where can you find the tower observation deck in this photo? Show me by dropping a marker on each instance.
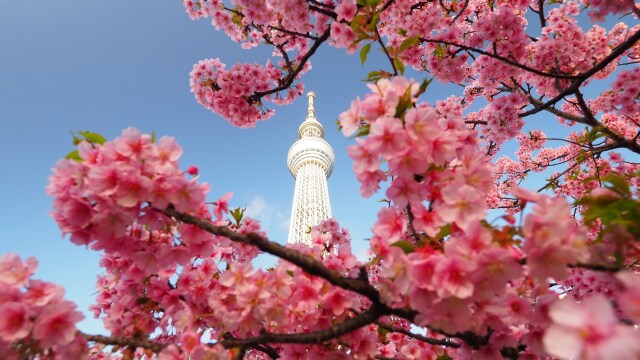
(310, 161)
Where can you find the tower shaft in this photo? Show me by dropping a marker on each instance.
(310, 202)
(310, 161)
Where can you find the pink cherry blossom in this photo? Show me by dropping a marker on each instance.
(629, 298)
(14, 272)
(56, 324)
(589, 330)
(222, 205)
(15, 323)
(386, 135)
(346, 10)
(391, 225)
(461, 205)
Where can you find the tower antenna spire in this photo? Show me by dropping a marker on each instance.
(311, 110)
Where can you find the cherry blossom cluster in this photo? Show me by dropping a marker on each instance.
(426, 143)
(226, 92)
(35, 320)
(108, 199)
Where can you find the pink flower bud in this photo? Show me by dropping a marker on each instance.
(192, 170)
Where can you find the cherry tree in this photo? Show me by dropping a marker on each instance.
(553, 275)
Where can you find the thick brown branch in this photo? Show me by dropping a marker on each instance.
(565, 115)
(592, 121)
(324, 11)
(315, 337)
(308, 263)
(543, 20)
(597, 267)
(124, 342)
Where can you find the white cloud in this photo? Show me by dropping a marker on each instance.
(267, 213)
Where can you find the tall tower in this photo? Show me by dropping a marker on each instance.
(310, 161)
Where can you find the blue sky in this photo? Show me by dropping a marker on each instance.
(105, 66)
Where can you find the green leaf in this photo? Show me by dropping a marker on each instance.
(76, 140)
(374, 76)
(153, 137)
(423, 86)
(374, 21)
(444, 357)
(399, 66)
(356, 24)
(364, 52)
(444, 231)
(93, 138)
(363, 130)
(372, 3)
(618, 184)
(440, 51)
(74, 155)
(404, 104)
(237, 215)
(407, 43)
(406, 246)
(290, 273)
(593, 135)
(382, 331)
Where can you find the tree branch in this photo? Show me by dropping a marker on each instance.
(124, 342)
(565, 115)
(428, 340)
(292, 76)
(619, 50)
(314, 337)
(293, 33)
(384, 48)
(597, 267)
(308, 263)
(501, 58)
(592, 121)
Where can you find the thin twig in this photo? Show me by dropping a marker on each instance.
(619, 50)
(428, 340)
(292, 76)
(501, 58)
(384, 48)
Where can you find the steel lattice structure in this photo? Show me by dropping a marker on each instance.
(310, 161)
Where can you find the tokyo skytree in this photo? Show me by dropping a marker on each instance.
(310, 161)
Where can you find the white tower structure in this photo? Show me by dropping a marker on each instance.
(310, 161)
